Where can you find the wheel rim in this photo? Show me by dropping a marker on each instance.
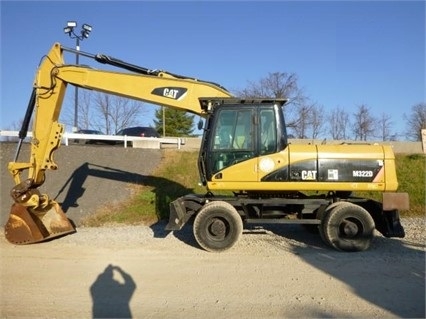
(350, 228)
(218, 229)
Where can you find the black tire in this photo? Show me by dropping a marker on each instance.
(347, 227)
(217, 226)
(321, 217)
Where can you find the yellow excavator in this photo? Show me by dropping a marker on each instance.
(244, 150)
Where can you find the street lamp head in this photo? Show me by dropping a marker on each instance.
(87, 27)
(68, 30)
(71, 24)
(85, 31)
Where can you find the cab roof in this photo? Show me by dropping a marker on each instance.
(207, 104)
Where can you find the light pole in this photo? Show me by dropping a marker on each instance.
(84, 34)
(164, 121)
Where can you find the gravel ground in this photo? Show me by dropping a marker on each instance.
(279, 272)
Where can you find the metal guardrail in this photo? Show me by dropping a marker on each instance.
(67, 137)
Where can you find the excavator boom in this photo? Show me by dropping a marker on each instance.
(35, 217)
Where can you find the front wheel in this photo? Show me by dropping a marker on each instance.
(348, 227)
(217, 226)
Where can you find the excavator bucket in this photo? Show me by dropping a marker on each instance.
(27, 227)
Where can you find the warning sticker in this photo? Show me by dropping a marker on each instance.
(333, 174)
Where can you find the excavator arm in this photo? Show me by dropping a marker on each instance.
(34, 216)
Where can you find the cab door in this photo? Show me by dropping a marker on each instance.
(233, 146)
(272, 161)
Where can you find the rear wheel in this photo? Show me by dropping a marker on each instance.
(347, 227)
(217, 226)
(321, 217)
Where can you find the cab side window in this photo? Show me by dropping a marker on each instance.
(268, 133)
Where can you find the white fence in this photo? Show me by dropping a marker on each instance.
(137, 142)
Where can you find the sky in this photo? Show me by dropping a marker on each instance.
(344, 53)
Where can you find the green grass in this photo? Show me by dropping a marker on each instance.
(410, 170)
(178, 176)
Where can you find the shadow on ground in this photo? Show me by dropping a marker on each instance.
(111, 293)
(390, 275)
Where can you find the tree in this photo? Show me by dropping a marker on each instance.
(338, 120)
(275, 85)
(317, 121)
(105, 112)
(384, 125)
(84, 111)
(301, 125)
(280, 85)
(363, 125)
(177, 123)
(115, 113)
(416, 121)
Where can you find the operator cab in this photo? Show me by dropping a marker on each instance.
(237, 130)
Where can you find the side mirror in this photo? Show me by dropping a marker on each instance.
(200, 124)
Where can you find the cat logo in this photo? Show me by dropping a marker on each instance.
(175, 93)
(171, 93)
(309, 175)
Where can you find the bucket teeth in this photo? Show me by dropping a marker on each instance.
(26, 226)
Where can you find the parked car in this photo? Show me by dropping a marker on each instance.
(141, 131)
(88, 141)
